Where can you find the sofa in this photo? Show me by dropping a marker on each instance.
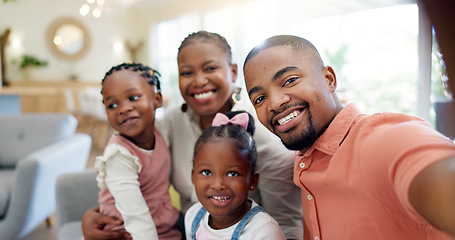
(35, 149)
(75, 194)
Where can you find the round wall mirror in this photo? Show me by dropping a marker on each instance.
(68, 38)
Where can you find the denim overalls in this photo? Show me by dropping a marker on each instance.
(238, 229)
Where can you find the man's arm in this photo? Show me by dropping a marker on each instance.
(93, 223)
(432, 194)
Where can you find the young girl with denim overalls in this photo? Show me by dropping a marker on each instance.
(223, 174)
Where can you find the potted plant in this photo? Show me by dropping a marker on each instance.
(28, 63)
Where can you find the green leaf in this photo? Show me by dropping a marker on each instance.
(28, 60)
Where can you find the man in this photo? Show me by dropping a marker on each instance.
(384, 176)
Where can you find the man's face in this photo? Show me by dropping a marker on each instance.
(292, 93)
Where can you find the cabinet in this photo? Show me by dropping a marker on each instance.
(45, 96)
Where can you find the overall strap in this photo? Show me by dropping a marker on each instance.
(238, 230)
(197, 219)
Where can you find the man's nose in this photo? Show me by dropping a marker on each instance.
(277, 100)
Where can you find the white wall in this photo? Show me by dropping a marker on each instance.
(29, 21)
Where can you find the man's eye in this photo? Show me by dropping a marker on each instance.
(259, 99)
(233, 174)
(134, 98)
(289, 81)
(206, 173)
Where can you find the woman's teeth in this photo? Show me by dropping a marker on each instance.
(203, 95)
(289, 117)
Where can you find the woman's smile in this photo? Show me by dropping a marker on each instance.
(204, 96)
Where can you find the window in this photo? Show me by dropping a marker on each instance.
(169, 35)
(374, 51)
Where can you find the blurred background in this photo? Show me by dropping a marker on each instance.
(383, 51)
(54, 53)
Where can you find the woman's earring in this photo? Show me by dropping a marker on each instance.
(184, 107)
(236, 95)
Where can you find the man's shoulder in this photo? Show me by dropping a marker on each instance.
(390, 120)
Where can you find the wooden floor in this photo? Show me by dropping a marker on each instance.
(43, 232)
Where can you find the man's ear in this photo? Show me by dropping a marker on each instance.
(254, 180)
(331, 78)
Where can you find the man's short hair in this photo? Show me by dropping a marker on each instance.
(296, 43)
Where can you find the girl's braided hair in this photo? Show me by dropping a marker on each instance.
(235, 133)
(208, 37)
(146, 72)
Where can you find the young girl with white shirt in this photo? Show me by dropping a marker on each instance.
(133, 172)
(223, 173)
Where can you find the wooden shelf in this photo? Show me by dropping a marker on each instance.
(44, 96)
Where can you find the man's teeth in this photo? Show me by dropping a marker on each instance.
(203, 95)
(289, 117)
(221, 199)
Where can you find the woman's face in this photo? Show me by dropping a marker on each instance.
(206, 78)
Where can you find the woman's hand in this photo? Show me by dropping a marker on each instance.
(93, 223)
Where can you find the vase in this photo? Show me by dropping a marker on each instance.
(29, 74)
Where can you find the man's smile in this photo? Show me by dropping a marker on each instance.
(288, 117)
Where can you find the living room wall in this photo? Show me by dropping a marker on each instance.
(29, 20)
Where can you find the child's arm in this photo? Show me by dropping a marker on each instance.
(265, 228)
(122, 181)
(189, 217)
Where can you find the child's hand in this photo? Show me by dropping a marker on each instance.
(93, 223)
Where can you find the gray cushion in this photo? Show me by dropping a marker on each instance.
(75, 193)
(70, 231)
(6, 180)
(31, 188)
(31, 132)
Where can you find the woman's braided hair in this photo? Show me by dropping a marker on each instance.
(208, 37)
(146, 72)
